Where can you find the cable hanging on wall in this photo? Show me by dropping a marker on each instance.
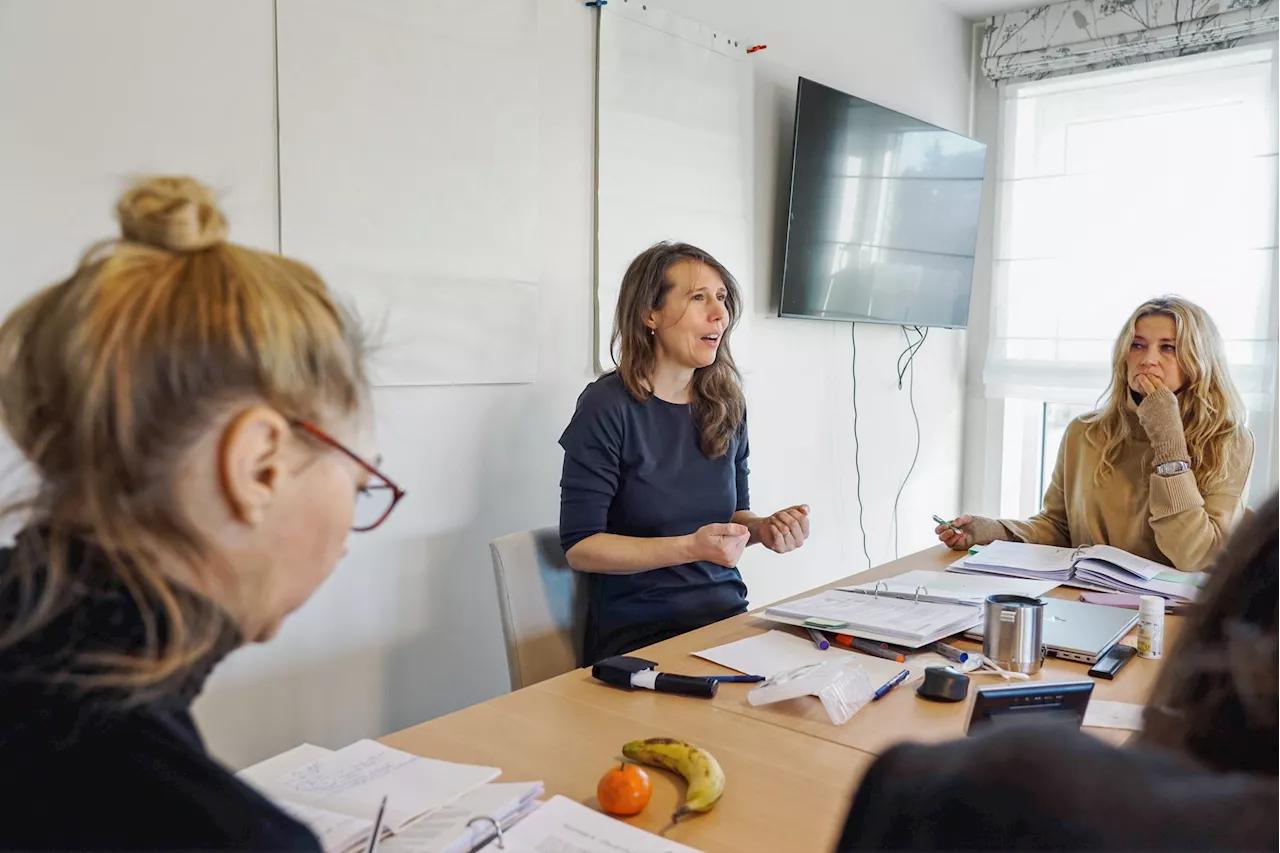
(857, 467)
(907, 369)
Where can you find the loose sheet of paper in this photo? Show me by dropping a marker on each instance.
(772, 652)
(1113, 715)
(563, 826)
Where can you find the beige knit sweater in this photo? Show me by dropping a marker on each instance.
(1166, 519)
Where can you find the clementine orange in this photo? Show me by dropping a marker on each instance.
(624, 790)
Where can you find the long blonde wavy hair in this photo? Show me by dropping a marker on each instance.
(1212, 411)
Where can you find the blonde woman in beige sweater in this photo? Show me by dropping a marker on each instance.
(1160, 469)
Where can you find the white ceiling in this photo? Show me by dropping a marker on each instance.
(983, 8)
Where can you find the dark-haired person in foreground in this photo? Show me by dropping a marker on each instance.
(1201, 776)
(654, 504)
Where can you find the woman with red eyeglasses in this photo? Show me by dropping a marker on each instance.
(196, 415)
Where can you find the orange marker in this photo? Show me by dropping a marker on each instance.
(867, 647)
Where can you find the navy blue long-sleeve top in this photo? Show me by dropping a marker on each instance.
(637, 469)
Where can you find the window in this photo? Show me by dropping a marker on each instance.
(1054, 426)
(1114, 187)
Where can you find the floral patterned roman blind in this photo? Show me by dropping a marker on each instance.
(1087, 35)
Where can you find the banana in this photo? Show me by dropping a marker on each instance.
(699, 768)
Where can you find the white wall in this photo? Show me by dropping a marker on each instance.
(911, 56)
(408, 626)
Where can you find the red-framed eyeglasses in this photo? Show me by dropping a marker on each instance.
(377, 498)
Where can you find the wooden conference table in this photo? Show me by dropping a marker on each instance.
(790, 773)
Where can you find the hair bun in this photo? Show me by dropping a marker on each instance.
(172, 213)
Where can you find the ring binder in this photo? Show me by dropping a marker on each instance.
(926, 592)
(877, 589)
(498, 829)
(892, 617)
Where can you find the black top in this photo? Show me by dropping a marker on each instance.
(109, 769)
(636, 469)
(1055, 789)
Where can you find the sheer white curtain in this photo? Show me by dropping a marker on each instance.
(1121, 185)
(1113, 187)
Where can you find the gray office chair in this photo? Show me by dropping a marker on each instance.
(543, 612)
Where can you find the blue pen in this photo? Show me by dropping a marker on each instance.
(738, 679)
(819, 641)
(897, 679)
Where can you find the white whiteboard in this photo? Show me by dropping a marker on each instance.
(673, 150)
(409, 176)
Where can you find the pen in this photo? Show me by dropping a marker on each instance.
(818, 640)
(377, 828)
(737, 679)
(897, 679)
(950, 652)
(867, 647)
(945, 523)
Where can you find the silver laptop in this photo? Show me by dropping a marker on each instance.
(1075, 630)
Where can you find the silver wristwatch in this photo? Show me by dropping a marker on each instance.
(1170, 469)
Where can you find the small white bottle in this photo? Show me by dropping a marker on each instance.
(1151, 627)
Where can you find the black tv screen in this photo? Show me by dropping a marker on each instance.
(883, 215)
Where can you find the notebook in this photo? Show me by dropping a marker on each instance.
(563, 826)
(900, 621)
(337, 794)
(943, 588)
(1096, 567)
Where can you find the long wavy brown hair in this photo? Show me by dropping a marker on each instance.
(1212, 412)
(1216, 698)
(718, 405)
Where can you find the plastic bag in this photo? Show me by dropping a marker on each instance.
(843, 686)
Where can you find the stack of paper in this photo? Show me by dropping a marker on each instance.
(1020, 560)
(337, 794)
(888, 620)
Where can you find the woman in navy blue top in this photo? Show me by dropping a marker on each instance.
(654, 504)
